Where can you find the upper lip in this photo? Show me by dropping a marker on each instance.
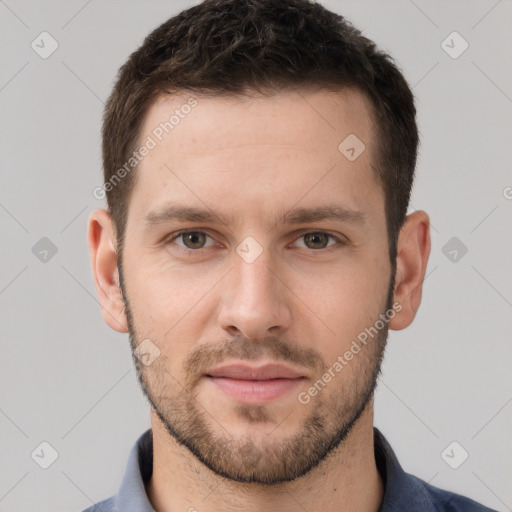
(244, 372)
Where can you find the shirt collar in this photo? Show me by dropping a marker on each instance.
(401, 490)
(132, 493)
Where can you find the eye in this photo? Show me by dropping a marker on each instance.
(318, 240)
(192, 240)
(197, 240)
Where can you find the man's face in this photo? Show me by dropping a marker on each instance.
(259, 286)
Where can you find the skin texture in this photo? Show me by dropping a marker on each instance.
(301, 302)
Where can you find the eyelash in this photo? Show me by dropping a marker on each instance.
(186, 250)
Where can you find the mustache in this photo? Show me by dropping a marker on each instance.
(242, 348)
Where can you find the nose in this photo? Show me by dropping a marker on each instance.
(255, 299)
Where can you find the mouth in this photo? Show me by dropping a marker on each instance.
(255, 385)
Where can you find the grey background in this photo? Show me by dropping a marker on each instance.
(67, 379)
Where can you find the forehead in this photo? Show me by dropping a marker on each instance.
(259, 118)
(230, 151)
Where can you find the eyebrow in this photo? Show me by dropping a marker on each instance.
(327, 212)
(174, 212)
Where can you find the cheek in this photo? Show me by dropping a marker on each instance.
(171, 306)
(161, 287)
(345, 304)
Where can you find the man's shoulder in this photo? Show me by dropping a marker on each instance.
(404, 491)
(447, 501)
(107, 505)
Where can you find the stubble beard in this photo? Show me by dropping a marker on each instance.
(257, 458)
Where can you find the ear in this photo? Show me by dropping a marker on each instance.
(102, 248)
(413, 250)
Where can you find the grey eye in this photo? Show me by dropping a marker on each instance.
(193, 239)
(317, 240)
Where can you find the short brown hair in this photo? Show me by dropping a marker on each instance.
(229, 47)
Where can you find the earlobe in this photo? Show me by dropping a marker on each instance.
(102, 249)
(413, 250)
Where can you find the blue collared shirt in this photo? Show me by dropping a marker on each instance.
(402, 492)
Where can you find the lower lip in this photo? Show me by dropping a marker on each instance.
(255, 391)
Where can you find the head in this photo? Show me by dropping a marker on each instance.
(284, 143)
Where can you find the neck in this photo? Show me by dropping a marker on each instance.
(347, 480)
